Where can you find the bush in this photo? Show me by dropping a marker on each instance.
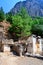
(37, 30)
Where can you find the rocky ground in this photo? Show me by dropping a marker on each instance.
(10, 59)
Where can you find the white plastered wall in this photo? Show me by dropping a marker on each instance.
(6, 48)
(34, 45)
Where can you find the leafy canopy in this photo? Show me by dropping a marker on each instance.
(37, 26)
(21, 23)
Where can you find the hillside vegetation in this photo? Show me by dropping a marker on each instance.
(21, 24)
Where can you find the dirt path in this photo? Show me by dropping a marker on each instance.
(9, 59)
(29, 61)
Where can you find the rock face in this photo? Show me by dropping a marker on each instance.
(34, 7)
(4, 28)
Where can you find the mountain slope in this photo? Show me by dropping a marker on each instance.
(34, 7)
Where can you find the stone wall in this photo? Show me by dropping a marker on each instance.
(37, 45)
(6, 48)
(34, 45)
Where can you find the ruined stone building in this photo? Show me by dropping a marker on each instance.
(5, 43)
(8, 45)
(33, 45)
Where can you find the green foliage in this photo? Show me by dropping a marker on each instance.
(27, 26)
(16, 25)
(37, 26)
(9, 17)
(38, 30)
(21, 23)
(2, 15)
(23, 12)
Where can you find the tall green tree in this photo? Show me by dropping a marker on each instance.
(21, 23)
(9, 17)
(23, 12)
(16, 25)
(2, 15)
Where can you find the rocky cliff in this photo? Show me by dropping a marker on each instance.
(34, 7)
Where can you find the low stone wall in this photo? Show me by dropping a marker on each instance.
(7, 41)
